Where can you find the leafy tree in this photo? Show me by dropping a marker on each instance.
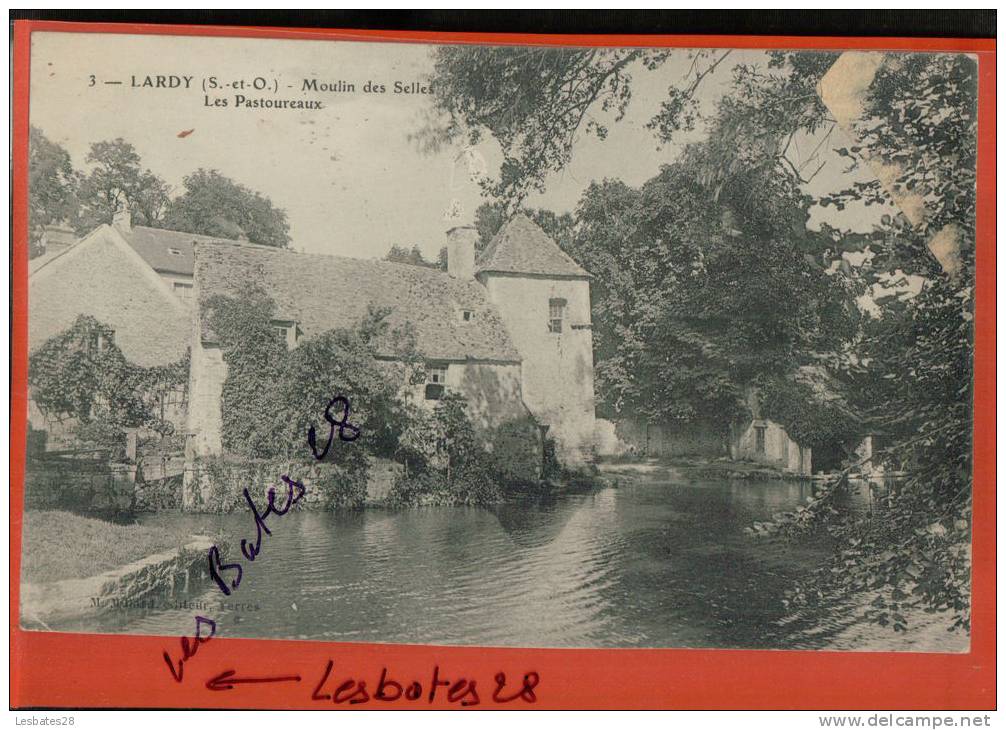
(447, 462)
(414, 257)
(215, 205)
(685, 296)
(911, 367)
(117, 180)
(917, 380)
(52, 187)
(532, 101)
(490, 217)
(272, 396)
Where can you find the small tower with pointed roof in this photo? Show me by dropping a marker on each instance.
(543, 297)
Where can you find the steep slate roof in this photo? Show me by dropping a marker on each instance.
(39, 261)
(322, 293)
(153, 245)
(521, 247)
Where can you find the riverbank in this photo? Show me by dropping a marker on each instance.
(661, 560)
(76, 567)
(698, 468)
(61, 545)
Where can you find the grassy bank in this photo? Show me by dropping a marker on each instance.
(59, 545)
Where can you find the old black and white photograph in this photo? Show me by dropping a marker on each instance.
(528, 346)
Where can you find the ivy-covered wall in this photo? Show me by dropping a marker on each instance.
(82, 386)
(254, 403)
(217, 483)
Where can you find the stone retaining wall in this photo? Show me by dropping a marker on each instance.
(101, 488)
(128, 586)
(215, 484)
(157, 495)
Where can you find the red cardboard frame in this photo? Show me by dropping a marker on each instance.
(88, 670)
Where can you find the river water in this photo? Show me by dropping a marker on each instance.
(660, 560)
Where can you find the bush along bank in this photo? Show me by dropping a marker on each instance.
(440, 460)
(217, 484)
(447, 462)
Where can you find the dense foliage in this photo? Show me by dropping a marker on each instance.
(809, 419)
(214, 205)
(210, 204)
(685, 300)
(414, 257)
(915, 374)
(708, 277)
(447, 462)
(51, 186)
(81, 374)
(272, 396)
(116, 179)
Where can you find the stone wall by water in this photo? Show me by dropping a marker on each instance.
(125, 587)
(632, 437)
(86, 487)
(767, 442)
(157, 495)
(216, 484)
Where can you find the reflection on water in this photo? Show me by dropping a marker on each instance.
(657, 561)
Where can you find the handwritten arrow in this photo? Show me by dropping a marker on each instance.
(227, 680)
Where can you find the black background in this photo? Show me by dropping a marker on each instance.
(912, 23)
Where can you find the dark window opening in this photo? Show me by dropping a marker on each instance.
(760, 439)
(182, 290)
(436, 381)
(556, 312)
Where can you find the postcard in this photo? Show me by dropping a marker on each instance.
(426, 370)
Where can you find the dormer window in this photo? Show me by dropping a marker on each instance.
(101, 341)
(436, 380)
(182, 290)
(467, 315)
(556, 313)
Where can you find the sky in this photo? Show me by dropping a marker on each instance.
(350, 177)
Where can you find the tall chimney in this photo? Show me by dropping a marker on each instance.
(461, 251)
(122, 219)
